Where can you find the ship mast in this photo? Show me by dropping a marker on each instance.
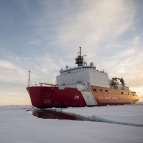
(29, 79)
(80, 51)
(79, 59)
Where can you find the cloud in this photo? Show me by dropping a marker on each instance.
(97, 22)
(51, 32)
(36, 42)
(14, 76)
(11, 72)
(93, 25)
(15, 69)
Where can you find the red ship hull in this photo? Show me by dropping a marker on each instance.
(57, 98)
(46, 97)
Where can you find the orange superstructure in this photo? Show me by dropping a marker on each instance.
(109, 96)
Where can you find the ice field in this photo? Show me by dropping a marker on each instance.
(106, 124)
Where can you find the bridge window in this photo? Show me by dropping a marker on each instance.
(122, 93)
(100, 89)
(106, 90)
(94, 90)
(134, 93)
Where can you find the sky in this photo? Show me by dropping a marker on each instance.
(44, 36)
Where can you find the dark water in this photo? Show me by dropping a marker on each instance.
(50, 114)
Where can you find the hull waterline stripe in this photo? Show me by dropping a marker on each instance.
(94, 98)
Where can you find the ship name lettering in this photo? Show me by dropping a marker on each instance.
(100, 97)
(110, 97)
(107, 97)
(114, 97)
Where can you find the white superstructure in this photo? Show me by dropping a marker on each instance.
(83, 74)
(86, 75)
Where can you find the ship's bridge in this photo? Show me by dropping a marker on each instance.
(83, 73)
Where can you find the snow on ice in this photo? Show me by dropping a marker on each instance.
(18, 126)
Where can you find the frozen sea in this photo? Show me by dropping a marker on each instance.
(105, 124)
